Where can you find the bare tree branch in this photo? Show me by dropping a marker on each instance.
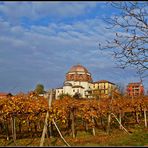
(130, 44)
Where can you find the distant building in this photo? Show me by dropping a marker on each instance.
(135, 89)
(104, 87)
(79, 81)
(3, 94)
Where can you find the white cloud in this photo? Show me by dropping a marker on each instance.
(36, 10)
(46, 53)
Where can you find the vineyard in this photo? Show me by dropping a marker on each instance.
(24, 116)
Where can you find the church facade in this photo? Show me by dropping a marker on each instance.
(79, 81)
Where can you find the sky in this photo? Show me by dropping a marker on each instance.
(41, 41)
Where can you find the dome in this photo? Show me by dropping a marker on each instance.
(78, 73)
(78, 68)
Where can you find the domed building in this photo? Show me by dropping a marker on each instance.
(78, 80)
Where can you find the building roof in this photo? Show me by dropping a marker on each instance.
(2, 94)
(104, 81)
(78, 73)
(134, 84)
(79, 68)
(77, 86)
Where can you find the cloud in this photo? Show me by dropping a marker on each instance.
(37, 10)
(45, 51)
(43, 54)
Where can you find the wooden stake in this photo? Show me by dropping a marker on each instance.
(120, 120)
(120, 123)
(93, 129)
(108, 125)
(45, 123)
(145, 120)
(73, 124)
(13, 129)
(44, 130)
(60, 133)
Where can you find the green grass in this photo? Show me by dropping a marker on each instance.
(138, 137)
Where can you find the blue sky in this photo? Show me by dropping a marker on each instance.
(41, 41)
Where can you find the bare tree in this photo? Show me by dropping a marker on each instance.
(121, 88)
(130, 44)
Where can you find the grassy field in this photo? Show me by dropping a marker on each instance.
(137, 137)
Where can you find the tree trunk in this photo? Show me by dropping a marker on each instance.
(6, 129)
(51, 130)
(35, 127)
(39, 125)
(20, 127)
(137, 117)
(1, 127)
(29, 126)
(86, 127)
(101, 120)
(69, 126)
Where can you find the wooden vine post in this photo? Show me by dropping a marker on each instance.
(145, 119)
(6, 129)
(93, 129)
(109, 113)
(108, 123)
(72, 123)
(13, 127)
(46, 121)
